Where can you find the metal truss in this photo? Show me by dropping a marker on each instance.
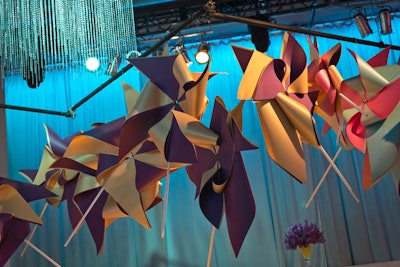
(160, 18)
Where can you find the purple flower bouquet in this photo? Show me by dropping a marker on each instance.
(302, 236)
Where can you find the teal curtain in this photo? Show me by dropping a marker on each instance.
(355, 233)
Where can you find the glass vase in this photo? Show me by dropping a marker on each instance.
(306, 252)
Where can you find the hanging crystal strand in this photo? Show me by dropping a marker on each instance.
(59, 21)
(82, 31)
(110, 33)
(51, 24)
(113, 27)
(24, 36)
(89, 24)
(103, 27)
(125, 28)
(96, 29)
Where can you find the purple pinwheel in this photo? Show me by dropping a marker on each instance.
(165, 106)
(221, 178)
(16, 214)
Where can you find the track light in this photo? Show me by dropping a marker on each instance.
(260, 35)
(180, 49)
(202, 55)
(113, 65)
(92, 64)
(385, 19)
(362, 24)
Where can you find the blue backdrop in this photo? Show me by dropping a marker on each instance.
(355, 232)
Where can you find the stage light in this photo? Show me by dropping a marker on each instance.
(385, 19)
(113, 65)
(362, 24)
(180, 49)
(260, 35)
(202, 55)
(92, 64)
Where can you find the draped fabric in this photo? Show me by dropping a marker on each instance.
(355, 233)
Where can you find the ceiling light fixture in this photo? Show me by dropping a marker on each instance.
(362, 24)
(180, 49)
(113, 65)
(260, 35)
(202, 56)
(385, 19)
(92, 64)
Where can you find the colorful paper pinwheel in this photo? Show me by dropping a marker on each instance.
(375, 131)
(221, 179)
(16, 214)
(112, 192)
(326, 79)
(285, 107)
(280, 89)
(168, 105)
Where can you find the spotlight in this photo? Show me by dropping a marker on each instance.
(362, 24)
(113, 65)
(92, 64)
(260, 35)
(385, 19)
(202, 55)
(180, 49)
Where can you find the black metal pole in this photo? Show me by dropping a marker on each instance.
(265, 24)
(171, 34)
(66, 114)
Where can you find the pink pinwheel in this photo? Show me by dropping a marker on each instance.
(325, 78)
(280, 89)
(221, 179)
(284, 104)
(16, 214)
(375, 131)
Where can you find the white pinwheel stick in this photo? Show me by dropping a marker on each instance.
(323, 178)
(339, 173)
(34, 230)
(44, 255)
(164, 216)
(210, 248)
(78, 226)
(351, 103)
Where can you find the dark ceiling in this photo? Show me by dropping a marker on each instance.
(156, 18)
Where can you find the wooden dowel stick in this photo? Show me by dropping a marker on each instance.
(42, 253)
(339, 173)
(210, 248)
(323, 178)
(164, 215)
(34, 230)
(351, 103)
(78, 226)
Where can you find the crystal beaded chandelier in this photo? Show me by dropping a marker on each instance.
(42, 33)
